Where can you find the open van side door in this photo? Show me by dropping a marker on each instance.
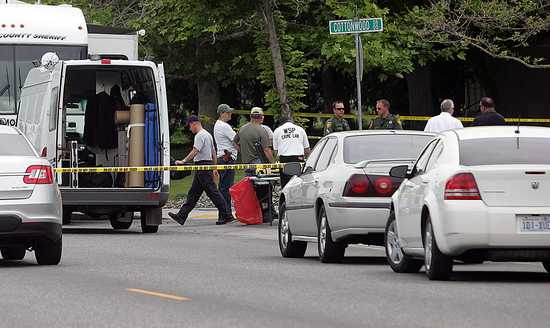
(39, 110)
(164, 127)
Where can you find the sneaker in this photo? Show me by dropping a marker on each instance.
(229, 219)
(218, 222)
(176, 218)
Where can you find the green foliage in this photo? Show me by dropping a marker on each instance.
(297, 68)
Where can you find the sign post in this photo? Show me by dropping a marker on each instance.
(356, 26)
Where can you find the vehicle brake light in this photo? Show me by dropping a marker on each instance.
(361, 185)
(38, 174)
(383, 185)
(462, 186)
(357, 186)
(105, 61)
(44, 152)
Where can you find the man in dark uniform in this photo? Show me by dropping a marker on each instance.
(203, 153)
(385, 120)
(338, 122)
(488, 114)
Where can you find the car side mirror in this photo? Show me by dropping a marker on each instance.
(400, 171)
(307, 169)
(292, 168)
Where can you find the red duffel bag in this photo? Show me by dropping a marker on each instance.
(246, 203)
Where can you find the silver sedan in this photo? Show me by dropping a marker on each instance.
(343, 194)
(30, 201)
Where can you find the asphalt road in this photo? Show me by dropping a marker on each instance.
(203, 275)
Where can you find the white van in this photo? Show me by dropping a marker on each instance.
(102, 113)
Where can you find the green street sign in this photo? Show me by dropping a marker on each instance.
(349, 26)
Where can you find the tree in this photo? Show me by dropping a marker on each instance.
(498, 28)
(264, 9)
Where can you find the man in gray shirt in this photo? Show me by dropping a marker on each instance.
(203, 153)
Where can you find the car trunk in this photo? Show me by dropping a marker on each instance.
(12, 172)
(513, 185)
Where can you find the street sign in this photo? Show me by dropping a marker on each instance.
(349, 26)
(356, 26)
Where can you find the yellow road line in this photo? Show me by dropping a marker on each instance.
(205, 216)
(161, 295)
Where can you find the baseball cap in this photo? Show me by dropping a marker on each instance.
(256, 111)
(192, 118)
(224, 108)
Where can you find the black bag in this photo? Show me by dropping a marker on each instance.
(95, 180)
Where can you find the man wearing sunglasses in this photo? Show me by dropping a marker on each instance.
(385, 120)
(338, 122)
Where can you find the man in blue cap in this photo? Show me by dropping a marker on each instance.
(203, 153)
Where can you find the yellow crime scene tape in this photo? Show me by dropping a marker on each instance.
(402, 118)
(273, 166)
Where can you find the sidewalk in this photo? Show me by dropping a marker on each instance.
(204, 220)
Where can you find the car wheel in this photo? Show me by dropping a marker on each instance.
(117, 224)
(438, 265)
(398, 261)
(48, 252)
(153, 214)
(13, 253)
(67, 216)
(546, 265)
(329, 250)
(287, 246)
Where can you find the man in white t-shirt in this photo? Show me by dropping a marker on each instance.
(291, 143)
(444, 121)
(226, 152)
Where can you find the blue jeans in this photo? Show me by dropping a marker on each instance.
(227, 178)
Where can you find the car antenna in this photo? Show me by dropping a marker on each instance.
(517, 131)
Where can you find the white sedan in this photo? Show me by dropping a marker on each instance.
(474, 194)
(342, 195)
(30, 201)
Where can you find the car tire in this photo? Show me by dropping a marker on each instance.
(438, 265)
(48, 252)
(329, 250)
(546, 265)
(287, 246)
(146, 215)
(13, 253)
(398, 261)
(67, 216)
(120, 225)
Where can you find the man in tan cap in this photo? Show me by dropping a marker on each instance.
(254, 145)
(253, 141)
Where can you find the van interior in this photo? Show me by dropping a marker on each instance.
(111, 119)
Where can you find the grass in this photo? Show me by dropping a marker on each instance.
(179, 188)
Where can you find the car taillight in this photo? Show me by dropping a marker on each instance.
(38, 174)
(383, 186)
(361, 185)
(106, 61)
(357, 186)
(462, 186)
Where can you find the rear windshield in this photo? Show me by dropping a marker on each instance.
(495, 151)
(370, 147)
(14, 145)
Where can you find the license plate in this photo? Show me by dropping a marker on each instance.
(533, 223)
